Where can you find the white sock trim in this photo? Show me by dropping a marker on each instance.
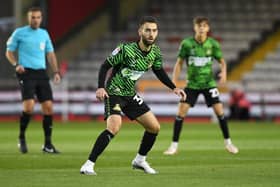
(140, 158)
(174, 145)
(228, 141)
(88, 162)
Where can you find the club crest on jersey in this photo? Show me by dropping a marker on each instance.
(208, 52)
(133, 62)
(116, 51)
(192, 52)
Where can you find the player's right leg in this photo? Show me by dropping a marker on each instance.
(114, 123)
(177, 128)
(152, 127)
(27, 88)
(28, 106)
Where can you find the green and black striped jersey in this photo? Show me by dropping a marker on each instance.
(129, 63)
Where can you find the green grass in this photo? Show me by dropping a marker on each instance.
(202, 160)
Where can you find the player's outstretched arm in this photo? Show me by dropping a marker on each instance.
(163, 77)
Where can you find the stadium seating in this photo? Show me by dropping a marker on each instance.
(265, 75)
(234, 23)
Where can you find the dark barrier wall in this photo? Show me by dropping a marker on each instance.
(63, 15)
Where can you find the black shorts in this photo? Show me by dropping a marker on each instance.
(211, 96)
(131, 106)
(35, 82)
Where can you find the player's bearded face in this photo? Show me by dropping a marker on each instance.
(201, 28)
(148, 33)
(35, 19)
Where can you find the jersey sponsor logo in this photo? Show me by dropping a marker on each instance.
(116, 51)
(199, 61)
(42, 46)
(132, 74)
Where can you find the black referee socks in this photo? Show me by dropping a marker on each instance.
(24, 121)
(47, 126)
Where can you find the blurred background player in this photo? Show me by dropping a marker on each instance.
(239, 105)
(199, 52)
(32, 44)
(130, 61)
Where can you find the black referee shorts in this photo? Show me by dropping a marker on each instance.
(35, 83)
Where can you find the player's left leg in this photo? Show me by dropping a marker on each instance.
(47, 109)
(114, 123)
(152, 127)
(229, 146)
(45, 97)
(183, 109)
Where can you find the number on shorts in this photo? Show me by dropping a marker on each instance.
(214, 92)
(138, 99)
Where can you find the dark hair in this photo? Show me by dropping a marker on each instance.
(149, 19)
(34, 9)
(200, 19)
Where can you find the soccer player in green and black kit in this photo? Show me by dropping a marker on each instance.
(129, 62)
(199, 52)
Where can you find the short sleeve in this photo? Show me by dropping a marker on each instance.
(158, 59)
(116, 56)
(217, 52)
(13, 41)
(49, 45)
(183, 50)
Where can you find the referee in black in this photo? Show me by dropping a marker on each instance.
(27, 49)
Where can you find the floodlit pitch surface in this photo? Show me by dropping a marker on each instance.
(202, 160)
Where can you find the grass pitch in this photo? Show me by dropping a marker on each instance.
(202, 160)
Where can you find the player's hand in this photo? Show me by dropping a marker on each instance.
(101, 94)
(56, 78)
(181, 93)
(20, 69)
